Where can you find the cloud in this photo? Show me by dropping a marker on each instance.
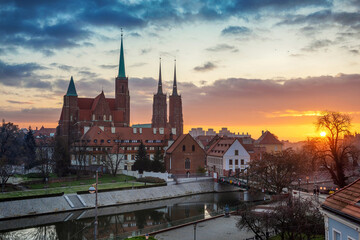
(257, 98)
(23, 75)
(208, 66)
(235, 30)
(222, 47)
(48, 25)
(108, 66)
(140, 64)
(19, 102)
(317, 44)
(145, 51)
(32, 115)
(62, 66)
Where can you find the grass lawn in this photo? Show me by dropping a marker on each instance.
(141, 238)
(105, 182)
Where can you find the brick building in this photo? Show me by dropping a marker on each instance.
(82, 119)
(184, 156)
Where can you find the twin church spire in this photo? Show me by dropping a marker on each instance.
(160, 91)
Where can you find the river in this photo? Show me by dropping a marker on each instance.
(122, 221)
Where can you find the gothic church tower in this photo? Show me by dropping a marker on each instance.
(175, 109)
(159, 118)
(122, 96)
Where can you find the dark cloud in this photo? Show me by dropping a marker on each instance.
(62, 66)
(108, 66)
(208, 66)
(49, 25)
(19, 102)
(222, 47)
(23, 75)
(145, 51)
(235, 30)
(32, 115)
(317, 44)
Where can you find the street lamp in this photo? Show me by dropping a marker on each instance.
(195, 231)
(146, 236)
(94, 189)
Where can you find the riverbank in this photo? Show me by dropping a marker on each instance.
(73, 202)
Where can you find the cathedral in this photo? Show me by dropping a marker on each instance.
(78, 115)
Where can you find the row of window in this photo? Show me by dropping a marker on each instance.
(124, 141)
(242, 162)
(101, 118)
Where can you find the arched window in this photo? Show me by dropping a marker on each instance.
(193, 148)
(122, 88)
(104, 117)
(187, 163)
(184, 148)
(93, 117)
(110, 118)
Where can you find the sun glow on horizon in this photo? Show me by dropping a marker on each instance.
(323, 134)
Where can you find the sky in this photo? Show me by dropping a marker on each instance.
(247, 65)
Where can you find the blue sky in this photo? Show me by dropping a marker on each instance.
(248, 65)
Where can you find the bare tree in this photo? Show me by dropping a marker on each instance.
(45, 156)
(275, 171)
(114, 156)
(81, 154)
(332, 150)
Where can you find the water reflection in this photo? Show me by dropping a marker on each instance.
(131, 223)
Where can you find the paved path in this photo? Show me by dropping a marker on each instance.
(215, 229)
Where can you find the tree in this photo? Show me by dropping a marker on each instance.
(10, 150)
(30, 149)
(295, 220)
(113, 157)
(45, 156)
(332, 150)
(61, 156)
(81, 155)
(142, 161)
(157, 165)
(275, 171)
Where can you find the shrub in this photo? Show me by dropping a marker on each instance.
(150, 180)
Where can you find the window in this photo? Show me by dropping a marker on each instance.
(104, 117)
(236, 152)
(230, 162)
(122, 88)
(242, 161)
(193, 148)
(187, 163)
(184, 148)
(125, 158)
(336, 234)
(132, 157)
(95, 140)
(236, 162)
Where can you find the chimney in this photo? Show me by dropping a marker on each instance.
(262, 132)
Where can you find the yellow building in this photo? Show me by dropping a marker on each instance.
(269, 141)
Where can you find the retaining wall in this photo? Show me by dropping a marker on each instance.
(71, 202)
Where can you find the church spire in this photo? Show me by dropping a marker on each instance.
(71, 89)
(174, 93)
(122, 61)
(160, 82)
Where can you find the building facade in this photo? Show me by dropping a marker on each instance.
(184, 156)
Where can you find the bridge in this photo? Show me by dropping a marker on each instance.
(236, 181)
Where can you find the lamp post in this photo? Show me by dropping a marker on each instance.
(195, 231)
(146, 236)
(93, 189)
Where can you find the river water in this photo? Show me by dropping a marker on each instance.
(120, 222)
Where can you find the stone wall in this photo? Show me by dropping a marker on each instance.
(71, 202)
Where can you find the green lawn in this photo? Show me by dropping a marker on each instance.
(102, 180)
(105, 182)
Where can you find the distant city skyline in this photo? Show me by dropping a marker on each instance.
(245, 65)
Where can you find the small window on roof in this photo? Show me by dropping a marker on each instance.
(102, 140)
(108, 140)
(95, 140)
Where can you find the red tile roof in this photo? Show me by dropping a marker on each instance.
(204, 140)
(346, 201)
(268, 138)
(220, 147)
(176, 143)
(45, 132)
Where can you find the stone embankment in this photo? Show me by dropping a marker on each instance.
(72, 202)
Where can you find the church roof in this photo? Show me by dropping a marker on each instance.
(71, 89)
(345, 202)
(268, 138)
